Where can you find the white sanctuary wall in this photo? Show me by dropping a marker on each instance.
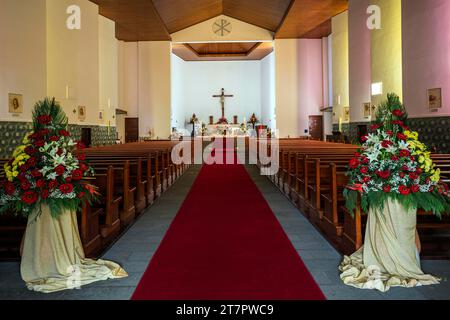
(268, 98)
(154, 83)
(195, 84)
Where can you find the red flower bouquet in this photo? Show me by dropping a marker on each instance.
(44, 170)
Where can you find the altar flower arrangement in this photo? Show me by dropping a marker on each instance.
(393, 164)
(45, 169)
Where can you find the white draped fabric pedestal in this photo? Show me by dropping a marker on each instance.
(389, 257)
(53, 257)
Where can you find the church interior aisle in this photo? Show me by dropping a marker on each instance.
(226, 243)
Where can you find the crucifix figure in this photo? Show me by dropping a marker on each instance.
(222, 97)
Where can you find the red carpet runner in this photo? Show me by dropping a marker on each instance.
(226, 244)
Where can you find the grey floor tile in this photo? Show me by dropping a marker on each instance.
(322, 260)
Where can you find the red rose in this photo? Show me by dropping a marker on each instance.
(81, 145)
(45, 194)
(25, 185)
(29, 197)
(64, 133)
(389, 133)
(415, 188)
(31, 162)
(404, 167)
(365, 160)
(364, 138)
(39, 143)
(354, 163)
(402, 175)
(83, 167)
(10, 188)
(81, 157)
(33, 136)
(366, 179)
(44, 119)
(398, 113)
(418, 170)
(394, 158)
(404, 190)
(401, 136)
(364, 170)
(413, 176)
(386, 143)
(375, 127)
(66, 188)
(60, 151)
(398, 122)
(384, 174)
(40, 183)
(52, 184)
(77, 175)
(43, 132)
(36, 173)
(60, 170)
(24, 168)
(29, 150)
(404, 153)
(54, 138)
(387, 189)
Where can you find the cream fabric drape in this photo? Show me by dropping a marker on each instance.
(53, 256)
(389, 257)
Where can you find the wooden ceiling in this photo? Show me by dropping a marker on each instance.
(225, 51)
(155, 20)
(310, 17)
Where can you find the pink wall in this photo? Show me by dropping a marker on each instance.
(310, 81)
(426, 54)
(359, 58)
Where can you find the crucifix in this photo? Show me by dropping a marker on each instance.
(222, 97)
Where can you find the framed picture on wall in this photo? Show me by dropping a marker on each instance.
(367, 109)
(346, 114)
(373, 110)
(15, 103)
(434, 99)
(81, 113)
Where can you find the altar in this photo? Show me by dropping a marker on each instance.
(229, 130)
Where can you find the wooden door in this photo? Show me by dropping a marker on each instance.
(316, 127)
(86, 137)
(131, 129)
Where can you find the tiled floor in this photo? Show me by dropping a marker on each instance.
(136, 248)
(322, 259)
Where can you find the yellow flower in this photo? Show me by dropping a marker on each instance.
(436, 176)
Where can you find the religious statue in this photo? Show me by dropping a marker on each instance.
(222, 97)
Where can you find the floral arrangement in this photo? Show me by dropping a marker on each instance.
(243, 127)
(44, 169)
(393, 163)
